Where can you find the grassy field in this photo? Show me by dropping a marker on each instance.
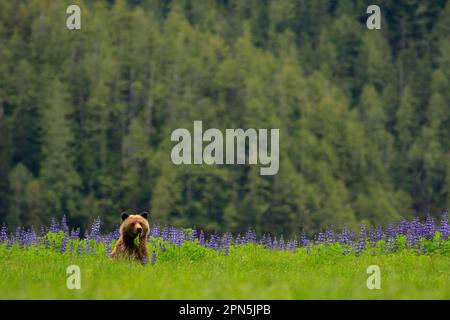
(249, 271)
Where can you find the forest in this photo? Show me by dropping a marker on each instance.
(86, 115)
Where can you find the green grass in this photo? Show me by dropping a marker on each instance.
(248, 272)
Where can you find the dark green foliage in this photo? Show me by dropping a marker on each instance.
(86, 116)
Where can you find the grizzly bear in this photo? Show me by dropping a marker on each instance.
(133, 237)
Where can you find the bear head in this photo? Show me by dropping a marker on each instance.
(134, 225)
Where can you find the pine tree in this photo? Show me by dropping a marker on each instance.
(58, 174)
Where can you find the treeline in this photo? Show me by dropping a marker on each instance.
(86, 116)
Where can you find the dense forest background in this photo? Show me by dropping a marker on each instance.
(86, 116)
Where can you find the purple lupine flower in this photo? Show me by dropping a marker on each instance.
(173, 235)
(4, 233)
(226, 241)
(303, 236)
(294, 245)
(361, 245)
(281, 244)
(63, 245)
(330, 236)
(29, 237)
(379, 234)
(108, 249)
(444, 227)
(269, 241)
(165, 233)
(250, 236)
(213, 242)
(201, 240)
(429, 228)
(24, 238)
(54, 226)
(176, 236)
(155, 231)
(46, 243)
(274, 245)
(75, 234)
(345, 236)
(18, 236)
(193, 235)
(238, 239)
(410, 239)
(321, 238)
(372, 237)
(153, 257)
(402, 227)
(95, 230)
(9, 244)
(42, 231)
(64, 225)
(263, 240)
(390, 244)
(266, 241)
(417, 229)
(306, 244)
(71, 247)
(390, 232)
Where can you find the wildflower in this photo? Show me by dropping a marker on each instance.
(63, 245)
(361, 245)
(345, 237)
(108, 249)
(293, 245)
(42, 231)
(64, 225)
(250, 236)
(429, 228)
(165, 234)
(281, 244)
(75, 234)
(238, 239)
(155, 231)
(274, 245)
(4, 233)
(213, 242)
(193, 235)
(54, 226)
(79, 249)
(95, 230)
(444, 227)
(226, 240)
(201, 240)
(153, 258)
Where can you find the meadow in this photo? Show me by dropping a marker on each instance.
(413, 256)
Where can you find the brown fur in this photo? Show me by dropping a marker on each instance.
(125, 246)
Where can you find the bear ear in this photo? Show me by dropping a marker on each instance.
(144, 215)
(124, 216)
